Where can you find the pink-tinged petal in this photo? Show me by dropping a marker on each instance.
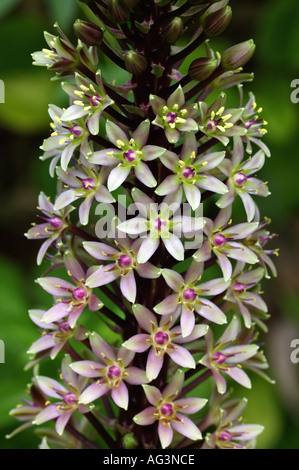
(141, 198)
(225, 265)
(36, 316)
(154, 364)
(100, 347)
(186, 427)
(232, 331)
(68, 375)
(213, 287)
(147, 249)
(173, 279)
(48, 413)
(101, 276)
(226, 199)
(165, 434)
(194, 272)
(240, 353)
(246, 432)
(74, 315)
(43, 343)
(210, 311)
(191, 405)
(44, 203)
(209, 161)
(73, 112)
(151, 152)
(146, 417)
(210, 183)
(241, 231)
(73, 266)
(248, 203)
(94, 391)
(137, 343)
(152, 393)
(140, 135)
(220, 381)
(157, 103)
(103, 195)
(65, 198)
(168, 186)
(187, 224)
(95, 303)
(60, 310)
(168, 305)
(222, 218)
(170, 160)
(55, 286)
(172, 135)
(120, 396)
(148, 271)
(187, 321)
(134, 226)
(193, 195)
(115, 133)
(118, 176)
(245, 313)
(128, 286)
(102, 158)
(136, 376)
(144, 317)
(42, 251)
(255, 163)
(174, 246)
(67, 154)
(125, 355)
(197, 332)
(50, 386)
(62, 422)
(239, 376)
(242, 253)
(238, 151)
(99, 250)
(203, 253)
(182, 357)
(144, 174)
(93, 122)
(175, 385)
(87, 368)
(189, 126)
(255, 300)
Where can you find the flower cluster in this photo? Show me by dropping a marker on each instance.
(166, 294)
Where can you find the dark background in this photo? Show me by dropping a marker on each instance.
(24, 123)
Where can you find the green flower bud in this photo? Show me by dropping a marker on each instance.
(118, 11)
(89, 33)
(215, 23)
(135, 62)
(237, 56)
(173, 30)
(202, 68)
(129, 441)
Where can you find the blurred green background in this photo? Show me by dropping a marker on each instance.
(24, 123)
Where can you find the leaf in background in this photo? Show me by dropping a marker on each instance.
(6, 6)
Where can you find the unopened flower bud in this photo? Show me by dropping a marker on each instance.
(118, 11)
(217, 22)
(135, 62)
(202, 68)
(238, 55)
(173, 30)
(129, 441)
(88, 32)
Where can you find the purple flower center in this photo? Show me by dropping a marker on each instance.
(87, 183)
(79, 293)
(225, 436)
(189, 294)
(95, 100)
(124, 261)
(240, 178)
(219, 240)
(219, 357)
(70, 398)
(188, 172)
(64, 327)
(76, 130)
(212, 125)
(129, 155)
(159, 224)
(171, 117)
(56, 222)
(167, 409)
(238, 287)
(161, 338)
(114, 372)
